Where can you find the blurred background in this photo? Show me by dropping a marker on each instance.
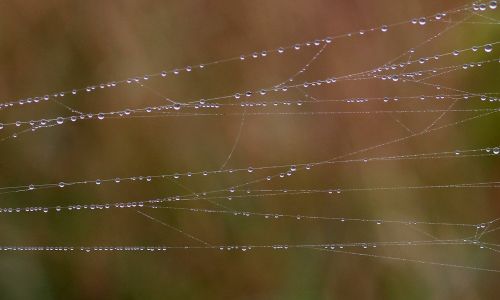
(50, 46)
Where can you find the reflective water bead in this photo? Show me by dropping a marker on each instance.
(493, 4)
(422, 21)
(250, 169)
(281, 50)
(59, 120)
(384, 28)
(61, 184)
(100, 116)
(177, 106)
(98, 181)
(488, 48)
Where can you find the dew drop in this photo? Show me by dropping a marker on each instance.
(100, 116)
(384, 28)
(61, 184)
(177, 106)
(488, 48)
(422, 21)
(60, 120)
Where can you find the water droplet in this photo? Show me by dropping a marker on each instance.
(384, 28)
(31, 187)
(100, 116)
(177, 106)
(488, 48)
(422, 21)
(60, 120)
(250, 169)
(493, 4)
(98, 181)
(61, 184)
(281, 50)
